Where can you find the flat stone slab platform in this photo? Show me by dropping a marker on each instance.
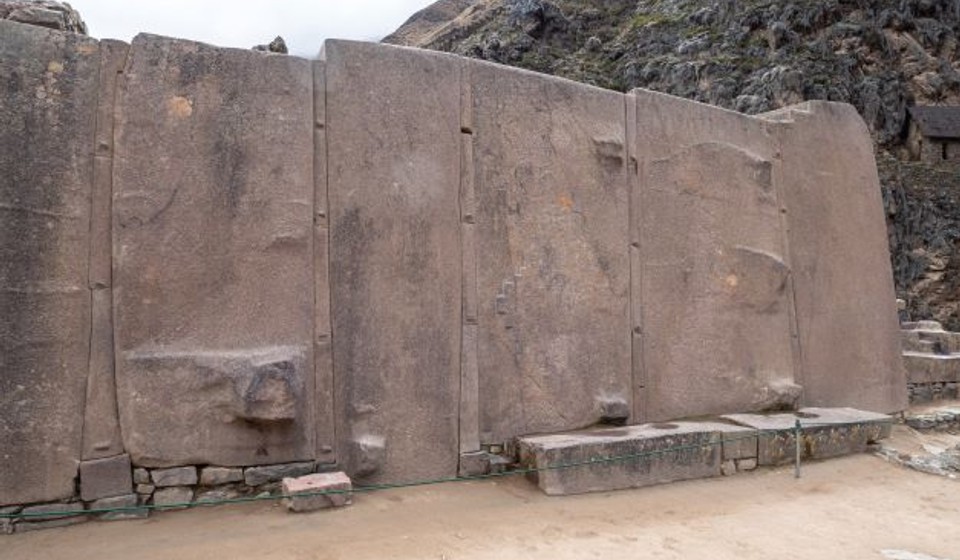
(606, 459)
(633, 456)
(826, 433)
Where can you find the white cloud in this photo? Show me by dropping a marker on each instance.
(304, 24)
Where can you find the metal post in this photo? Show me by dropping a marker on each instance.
(796, 438)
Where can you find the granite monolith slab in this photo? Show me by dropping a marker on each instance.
(845, 302)
(48, 106)
(608, 459)
(213, 255)
(714, 281)
(393, 137)
(552, 259)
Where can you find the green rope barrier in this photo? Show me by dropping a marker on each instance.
(793, 430)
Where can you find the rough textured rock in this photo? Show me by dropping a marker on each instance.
(825, 433)
(255, 476)
(834, 235)
(297, 492)
(47, 121)
(642, 449)
(213, 256)
(105, 478)
(713, 296)
(551, 266)
(174, 497)
(101, 423)
(177, 476)
(60, 515)
(127, 506)
(278, 45)
(215, 476)
(393, 137)
(59, 16)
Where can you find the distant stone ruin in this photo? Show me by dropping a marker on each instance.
(389, 259)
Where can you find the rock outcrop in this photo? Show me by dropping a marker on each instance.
(44, 13)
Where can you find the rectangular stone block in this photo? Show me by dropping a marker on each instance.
(255, 476)
(27, 526)
(393, 145)
(177, 476)
(125, 506)
(713, 279)
(48, 512)
(101, 425)
(105, 478)
(47, 123)
(551, 251)
(629, 457)
(839, 255)
(213, 255)
(173, 497)
(825, 433)
(215, 476)
(931, 368)
(306, 493)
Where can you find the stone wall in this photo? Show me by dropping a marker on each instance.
(390, 259)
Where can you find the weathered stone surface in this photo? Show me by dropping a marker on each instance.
(322, 336)
(45, 512)
(101, 424)
(47, 110)
(215, 476)
(393, 140)
(177, 476)
(931, 368)
(212, 496)
(825, 432)
(141, 476)
(930, 339)
(699, 456)
(104, 478)
(126, 504)
(552, 261)
(174, 497)
(255, 476)
(845, 302)
(26, 526)
(43, 13)
(297, 491)
(712, 284)
(213, 255)
(145, 489)
(474, 463)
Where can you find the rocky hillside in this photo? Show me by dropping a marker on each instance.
(44, 13)
(754, 56)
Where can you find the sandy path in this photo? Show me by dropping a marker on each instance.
(846, 508)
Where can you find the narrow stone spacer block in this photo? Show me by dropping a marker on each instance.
(105, 478)
(301, 494)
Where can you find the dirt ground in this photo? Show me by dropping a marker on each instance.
(850, 508)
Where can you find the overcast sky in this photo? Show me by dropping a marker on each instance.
(303, 24)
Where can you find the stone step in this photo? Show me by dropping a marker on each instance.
(931, 368)
(930, 339)
(601, 460)
(702, 455)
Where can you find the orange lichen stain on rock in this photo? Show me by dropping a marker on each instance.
(566, 202)
(87, 49)
(179, 107)
(732, 280)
